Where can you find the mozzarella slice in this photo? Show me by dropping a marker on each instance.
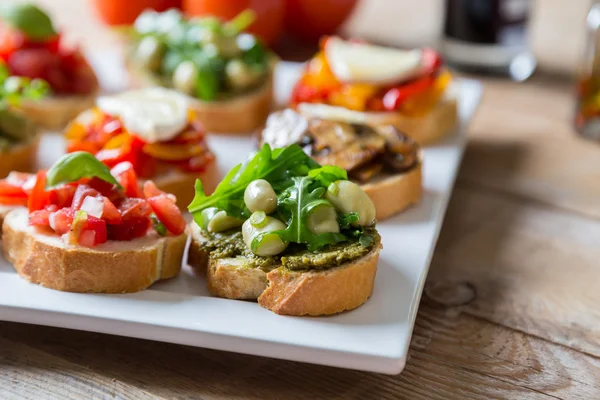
(153, 114)
(366, 63)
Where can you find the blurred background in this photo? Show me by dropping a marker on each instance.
(556, 31)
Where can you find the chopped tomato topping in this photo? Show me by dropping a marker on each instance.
(129, 229)
(39, 198)
(81, 193)
(61, 220)
(151, 190)
(42, 217)
(167, 212)
(126, 176)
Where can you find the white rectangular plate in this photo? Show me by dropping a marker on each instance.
(374, 337)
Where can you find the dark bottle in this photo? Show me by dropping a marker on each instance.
(488, 36)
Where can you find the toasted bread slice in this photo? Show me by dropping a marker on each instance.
(4, 210)
(112, 267)
(424, 130)
(54, 113)
(20, 157)
(285, 292)
(182, 185)
(393, 193)
(241, 114)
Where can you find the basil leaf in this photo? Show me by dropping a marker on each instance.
(278, 167)
(328, 174)
(75, 166)
(158, 226)
(30, 20)
(298, 200)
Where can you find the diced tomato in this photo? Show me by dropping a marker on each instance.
(110, 213)
(126, 176)
(42, 217)
(97, 226)
(39, 198)
(167, 212)
(303, 93)
(10, 40)
(81, 193)
(13, 201)
(151, 190)
(62, 220)
(134, 208)
(394, 97)
(9, 190)
(62, 196)
(130, 228)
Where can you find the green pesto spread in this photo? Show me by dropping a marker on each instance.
(296, 257)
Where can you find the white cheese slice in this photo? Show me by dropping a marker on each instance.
(153, 114)
(366, 63)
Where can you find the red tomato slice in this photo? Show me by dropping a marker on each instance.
(10, 40)
(110, 213)
(97, 226)
(126, 176)
(42, 217)
(13, 201)
(167, 212)
(133, 207)
(151, 190)
(62, 196)
(39, 198)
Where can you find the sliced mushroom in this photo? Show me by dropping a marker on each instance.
(331, 135)
(366, 172)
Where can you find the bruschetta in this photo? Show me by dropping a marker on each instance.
(156, 131)
(228, 73)
(18, 134)
(385, 162)
(361, 83)
(33, 48)
(79, 227)
(297, 237)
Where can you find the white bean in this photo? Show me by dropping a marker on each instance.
(184, 77)
(260, 196)
(347, 197)
(322, 219)
(259, 223)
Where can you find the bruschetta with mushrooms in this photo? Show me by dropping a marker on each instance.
(385, 162)
(297, 237)
(81, 228)
(361, 83)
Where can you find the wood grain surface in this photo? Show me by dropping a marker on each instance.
(510, 308)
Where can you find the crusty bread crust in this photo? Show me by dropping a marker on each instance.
(242, 114)
(4, 210)
(424, 130)
(20, 158)
(54, 113)
(113, 267)
(392, 194)
(182, 185)
(288, 292)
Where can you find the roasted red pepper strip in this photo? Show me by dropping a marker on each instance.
(394, 97)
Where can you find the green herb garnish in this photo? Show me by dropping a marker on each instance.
(158, 226)
(278, 167)
(75, 166)
(30, 20)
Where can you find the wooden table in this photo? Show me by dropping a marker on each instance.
(511, 307)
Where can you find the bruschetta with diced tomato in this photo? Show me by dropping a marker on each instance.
(32, 47)
(80, 227)
(153, 129)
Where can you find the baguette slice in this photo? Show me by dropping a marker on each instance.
(113, 267)
(242, 114)
(288, 292)
(424, 130)
(21, 157)
(54, 113)
(4, 210)
(392, 194)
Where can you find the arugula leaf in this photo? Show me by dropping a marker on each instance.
(278, 167)
(346, 220)
(328, 174)
(30, 20)
(299, 201)
(74, 166)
